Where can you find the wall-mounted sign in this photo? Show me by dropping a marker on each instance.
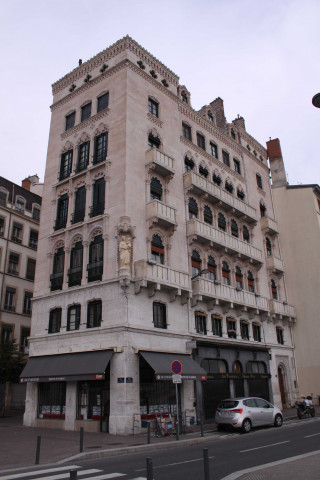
(129, 380)
(120, 379)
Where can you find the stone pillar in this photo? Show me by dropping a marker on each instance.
(188, 400)
(124, 395)
(71, 405)
(31, 405)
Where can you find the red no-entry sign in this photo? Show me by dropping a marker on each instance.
(176, 367)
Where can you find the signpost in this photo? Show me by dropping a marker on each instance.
(176, 368)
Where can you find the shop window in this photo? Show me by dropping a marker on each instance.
(94, 314)
(268, 247)
(153, 141)
(263, 210)
(225, 273)
(98, 198)
(1, 226)
(201, 323)
(24, 342)
(212, 267)
(73, 320)
(193, 208)
(95, 266)
(231, 328)
(274, 290)
(75, 271)
(79, 205)
(214, 150)
(86, 111)
(214, 365)
(16, 235)
(159, 315)
(239, 278)
(216, 325)
(70, 120)
(201, 141)
(251, 286)
(55, 320)
(13, 265)
(6, 333)
(256, 367)
(246, 234)
(186, 131)
(27, 303)
(188, 164)
(226, 158)
(31, 269)
(259, 180)
(52, 400)
(222, 224)
(103, 102)
(66, 164)
(157, 250)
(83, 156)
(56, 278)
(256, 330)
(280, 337)
(155, 189)
(90, 400)
(195, 263)
(244, 329)
(153, 107)
(33, 239)
(100, 147)
(207, 215)
(237, 367)
(62, 212)
(234, 228)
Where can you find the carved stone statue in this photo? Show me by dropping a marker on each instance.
(125, 253)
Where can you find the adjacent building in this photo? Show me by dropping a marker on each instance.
(298, 213)
(154, 244)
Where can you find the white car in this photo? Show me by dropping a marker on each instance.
(246, 413)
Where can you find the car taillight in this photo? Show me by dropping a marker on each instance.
(237, 410)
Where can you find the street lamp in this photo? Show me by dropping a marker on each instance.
(316, 100)
(205, 270)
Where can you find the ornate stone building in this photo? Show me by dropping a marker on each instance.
(159, 235)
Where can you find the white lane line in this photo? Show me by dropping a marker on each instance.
(313, 435)
(265, 446)
(176, 463)
(39, 472)
(67, 474)
(108, 475)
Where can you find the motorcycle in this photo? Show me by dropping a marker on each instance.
(305, 411)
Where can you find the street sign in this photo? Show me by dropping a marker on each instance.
(176, 379)
(176, 367)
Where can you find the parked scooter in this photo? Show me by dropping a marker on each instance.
(305, 409)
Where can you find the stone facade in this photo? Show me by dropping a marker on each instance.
(169, 229)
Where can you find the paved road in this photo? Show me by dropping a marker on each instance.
(228, 452)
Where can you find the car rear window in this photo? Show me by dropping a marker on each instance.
(228, 404)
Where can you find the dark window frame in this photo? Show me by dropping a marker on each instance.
(201, 323)
(102, 102)
(186, 131)
(86, 111)
(70, 120)
(73, 319)
(94, 314)
(159, 310)
(201, 141)
(153, 107)
(55, 320)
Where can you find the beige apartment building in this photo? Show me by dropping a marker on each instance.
(154, 248)
(298, 213)
(19, 229)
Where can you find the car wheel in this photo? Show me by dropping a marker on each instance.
(246, 425)
(278, 421)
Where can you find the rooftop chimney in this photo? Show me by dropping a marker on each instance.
(26, 183)
(239, 122)
(217, 106)
(278, 173)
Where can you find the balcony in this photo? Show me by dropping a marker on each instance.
(209, 290)
(275, 264)
(160, 163)
(95, 271)
(157, 277)
(200, 185)
(268, 225)
(159, 212)
(74, 276)
(206, 233)
(60, 223)
(96, 209)
(282, 309)
(56, 280)
(77, 216)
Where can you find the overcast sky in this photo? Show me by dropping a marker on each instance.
(260, 56)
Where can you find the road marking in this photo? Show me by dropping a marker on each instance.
(265, 446)
(176, 463)
(39, 472)
(313, 435)
(107, 475)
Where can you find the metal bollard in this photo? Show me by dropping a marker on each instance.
(38, 450)
(201, 427)
(81, 439)
(177, 428)
(73, 474)
(149, 433)
(149, 468)
(206, 464)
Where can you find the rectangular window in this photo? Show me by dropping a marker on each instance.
(52, 400)
(153, 107)
(236, 165)
(16, 235)
(216, 326)
(70, 120)
(10, 299)
(36, 213)
(31, 269)
(159, 315)
(66, 164)
(201, 323)
(103, 102)
(186, 131)
(94, 314)
(95, 266)
(100, 147)
(232, 328)
(55, 321)
(3, 198)
(201, 141)
(73, 317)
(256, 329)
(27, 303)
(226, 158)
(33, 239)
(79, 205)
(213, 149)
(75, 271)
(1, 226)
(13, 266)
(62, 212)
(20, 204)
(259, 180)
(280, 337)
(56, 278)
(24, 343)
(98, 198)
(244, 327)
(6, 333)
(83, 156)
(86, 112)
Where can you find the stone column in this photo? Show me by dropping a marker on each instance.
(188, 400)
(124, 393)
(31, 405)
(71, 405)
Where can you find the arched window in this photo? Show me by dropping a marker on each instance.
(203, 171)
(56, 278)
(250, 282)
(240, 194)
(75, 271)
(207, 215)
(155, 189)
(193, 208)
(263, 210)
(184, 96)
(153, 142)
(256, 367)
(157, 250)
(195, 263)
(236, 367)
(268, 247)
(234, 228)
(225, 273)
(239, 278)
(246, 234)
(228, 186)
(274, 290)
(212, 267)
(188, 164)
(36, 212)
(222, 224)
(210, 116)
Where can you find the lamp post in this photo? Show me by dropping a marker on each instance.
(316, 100)
(205, 270)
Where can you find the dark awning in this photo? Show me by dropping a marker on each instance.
(162, 365)
(67, 367)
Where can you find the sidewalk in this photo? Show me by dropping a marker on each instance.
(18, 446)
